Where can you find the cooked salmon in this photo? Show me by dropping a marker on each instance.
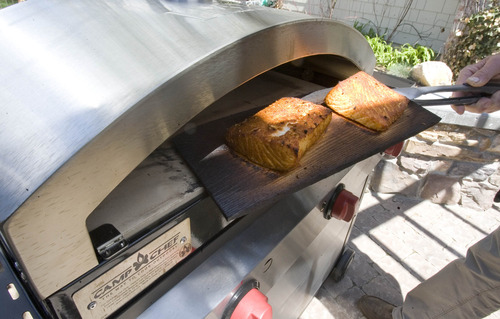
(278, 136)
(365, 100)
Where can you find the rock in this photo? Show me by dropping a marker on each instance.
(446, 164)
(414, 165)
(442, 166)
(495, 179)
(478, 196)
(435, 150)
(485, 172)
(441, 189)
(432, 73)
(474, 171)
(439, 150)
(495, 145)
(388, 178)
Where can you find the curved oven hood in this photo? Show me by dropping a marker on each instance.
(91, 88)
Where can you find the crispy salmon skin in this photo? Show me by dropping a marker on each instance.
(365, 100)
(278, 136)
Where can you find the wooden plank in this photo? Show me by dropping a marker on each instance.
(238, 186)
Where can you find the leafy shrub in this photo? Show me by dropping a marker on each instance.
(477, 40)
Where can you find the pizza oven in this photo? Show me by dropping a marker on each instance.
(118, 197)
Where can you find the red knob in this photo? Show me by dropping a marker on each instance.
(395, 150)
(345, 206)
(254, 305)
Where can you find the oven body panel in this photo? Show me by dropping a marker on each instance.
(289, 251)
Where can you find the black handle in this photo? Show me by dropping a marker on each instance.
(488, 88)
(466, 100)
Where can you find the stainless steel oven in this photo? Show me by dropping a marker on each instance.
(105, 209)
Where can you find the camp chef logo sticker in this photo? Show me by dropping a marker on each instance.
(113, 289)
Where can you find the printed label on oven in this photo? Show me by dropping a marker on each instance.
(113, 289)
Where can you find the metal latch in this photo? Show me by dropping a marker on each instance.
(107, 240)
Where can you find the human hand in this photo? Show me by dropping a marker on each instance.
(477, 75)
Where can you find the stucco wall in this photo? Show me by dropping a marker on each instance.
(428, 22)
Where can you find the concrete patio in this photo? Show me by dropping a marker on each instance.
(399, 242)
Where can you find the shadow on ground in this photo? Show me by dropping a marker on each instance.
(399, 242)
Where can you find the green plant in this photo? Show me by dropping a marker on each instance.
(387, 54)
(6, 3)
(478, 39)
(383, 51)
(362, 28)
(414, 55)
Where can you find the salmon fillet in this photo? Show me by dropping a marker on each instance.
(365, 100)
(279, 135)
